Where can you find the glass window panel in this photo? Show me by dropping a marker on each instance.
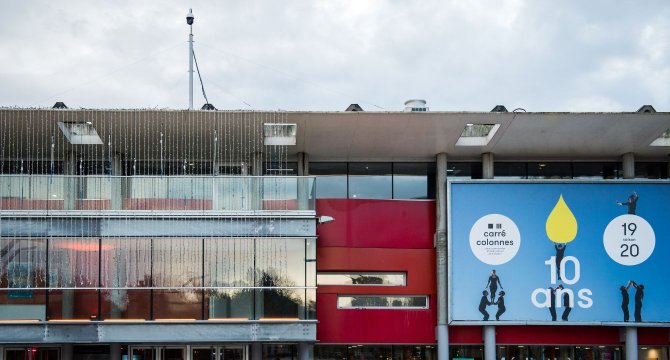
(310, 264)
(651, 170)
(126, 304)
(281, 169)
(418, 352)
(280, 304)
(652, 353)
(280, 262)
(370, 180)
(366, 279)
(330, 352)
(310, 313)
(177, 262)
(331, 181)
(510, 170)
(73, 262)
(73, 304)
(549, 170)
(375, 302)
(23, 263)
(226, 304)
(464, 170)
(279, 352)
(369, 352)
(126, 262)
(280, 193)
(229, 262)
(594, 170)
(414, 180)
(177, 304)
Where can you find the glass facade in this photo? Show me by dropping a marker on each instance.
(157, 278)
(362, 279)
(356, 352)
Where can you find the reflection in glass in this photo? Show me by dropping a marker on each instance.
(280, 304)
(383, 279)
(177, 304)
(73, 262)
(331, 179)
(464, 170)
(73, 304)
(549, 170)
(22, 265)
(510, 170)
(279, 352)
(226, 304)
(594, 170)
(375, 301)
(414, 180)
(125, 304)
(651, 170)
(229, 262)
(280, 262)
(370, 181)
(177, 262)
(370, 352)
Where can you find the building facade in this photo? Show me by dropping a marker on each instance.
(274, 235)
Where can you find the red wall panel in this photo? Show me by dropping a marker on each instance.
(557, 335)
(377, 223)
(653, 336)
(355, 326)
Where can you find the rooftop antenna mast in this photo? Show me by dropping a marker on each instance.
(189, 21)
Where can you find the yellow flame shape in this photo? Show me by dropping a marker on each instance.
(561, 223)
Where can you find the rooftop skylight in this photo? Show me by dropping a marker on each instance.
(477, 134)
(279, 134)
(80, 133)
(663, 140)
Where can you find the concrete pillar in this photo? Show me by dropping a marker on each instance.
(70, 183)
(631, 343)
(305, 351)
(628, 164)
(303, 183)
(489, 342)
(118, 185)
(487, 166)
(256, 351)
(441, 256)
(66, 352)
(115, 352)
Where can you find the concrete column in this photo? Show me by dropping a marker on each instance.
(117, 182)
(487, 166)
(305, 351)
(303, 184)
(66, 352)
(631, 343)
(628, 163)
(256, 351)
(70, 183)
(441, 256)
(115, 352)
(489, 342)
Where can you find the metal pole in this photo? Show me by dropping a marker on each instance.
(190, 68)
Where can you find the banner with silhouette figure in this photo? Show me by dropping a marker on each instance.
(568, 252)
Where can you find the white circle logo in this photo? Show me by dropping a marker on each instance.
(494, 239)
(629, 240)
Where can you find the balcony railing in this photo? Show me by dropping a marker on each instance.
(183, 193)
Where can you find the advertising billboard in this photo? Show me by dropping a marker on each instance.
(560, 252)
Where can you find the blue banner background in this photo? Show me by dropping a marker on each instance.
(529, 205)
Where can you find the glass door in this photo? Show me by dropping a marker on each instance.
(171, 353)
(233, 353)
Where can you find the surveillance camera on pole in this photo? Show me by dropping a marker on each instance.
(189, 20)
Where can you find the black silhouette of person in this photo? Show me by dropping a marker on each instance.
(639, 295)
(566, 304)
(632, 202)
(552, 306)
(560, 252)
(492, 284)
(625, 300)
(501, 305)
(483, 303)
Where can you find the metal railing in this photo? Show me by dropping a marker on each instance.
(184, 193)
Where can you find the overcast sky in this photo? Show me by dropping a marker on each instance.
(323, 55)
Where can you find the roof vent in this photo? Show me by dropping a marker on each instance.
(415, 105)
(499, 108)
(208, 106)
(646, 109)
(59, 105)
(354, 107)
